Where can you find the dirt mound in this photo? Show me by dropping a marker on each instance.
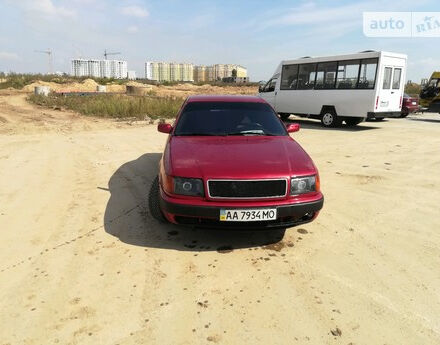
(135, 83)
(116, 88)
(86, 85)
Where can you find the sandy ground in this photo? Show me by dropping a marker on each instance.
(82, 262)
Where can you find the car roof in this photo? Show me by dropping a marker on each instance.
(226, 98)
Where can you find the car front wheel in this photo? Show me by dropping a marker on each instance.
(154, 201)
(404, 113)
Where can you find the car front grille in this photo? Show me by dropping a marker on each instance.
(247, 188)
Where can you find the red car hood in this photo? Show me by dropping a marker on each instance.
(237, 157)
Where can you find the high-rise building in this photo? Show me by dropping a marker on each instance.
(175, 71)
(187, 72)
(80, 68)
(105, 67)
(94, 68)
(200, 74)
(131, 75)
(120, 69)
(164, 71)
(116, 69)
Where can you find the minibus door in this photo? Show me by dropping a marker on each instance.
(390, 95)
(268, 92)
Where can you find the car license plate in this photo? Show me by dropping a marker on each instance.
(414, 103)
(248, 215)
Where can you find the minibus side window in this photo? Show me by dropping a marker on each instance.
(289, 77)
(325, 75)
(367, 76)
(306, 76)
(348, 72)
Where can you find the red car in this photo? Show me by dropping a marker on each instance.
(229, 162)
(409, 105)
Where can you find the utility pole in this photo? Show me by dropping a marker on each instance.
(49, 55)
(106, 54)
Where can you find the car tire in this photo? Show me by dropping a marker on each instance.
(378, 119)
(353, 121)
(404, 115)
(284, 116)
(329, 118)
(154, 201)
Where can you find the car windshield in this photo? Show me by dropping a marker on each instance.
(228, 118)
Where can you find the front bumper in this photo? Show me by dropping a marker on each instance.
(409, 109)
(208, 216)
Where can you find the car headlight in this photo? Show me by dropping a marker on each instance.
(188, 186)
(301, 185)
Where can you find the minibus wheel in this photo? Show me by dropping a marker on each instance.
(330, 119)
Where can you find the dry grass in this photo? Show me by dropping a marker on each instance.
(115, 106)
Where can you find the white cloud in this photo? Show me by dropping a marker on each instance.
(8, 56)
(315, 15)
(132, 29)
(426, 62)
(135, 11)
(46, 7)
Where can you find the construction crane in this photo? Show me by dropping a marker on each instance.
(106, 54)
(49, 55)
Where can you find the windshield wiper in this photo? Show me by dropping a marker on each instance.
(251, 132)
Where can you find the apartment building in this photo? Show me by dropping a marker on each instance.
(94, 68)
(116, 69)
(172, 71)
(80, 68)
(105, 68)
(187, 72)
(218, 72)
(165, 71)
(131, 75)
(200, 74)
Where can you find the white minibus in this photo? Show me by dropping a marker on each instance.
(339, 88)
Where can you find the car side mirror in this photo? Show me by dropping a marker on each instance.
(292, 127)
(164, 128)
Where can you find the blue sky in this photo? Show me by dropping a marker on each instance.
(256, 34)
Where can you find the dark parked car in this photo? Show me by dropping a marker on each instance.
(229, 162)
(409, 105)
